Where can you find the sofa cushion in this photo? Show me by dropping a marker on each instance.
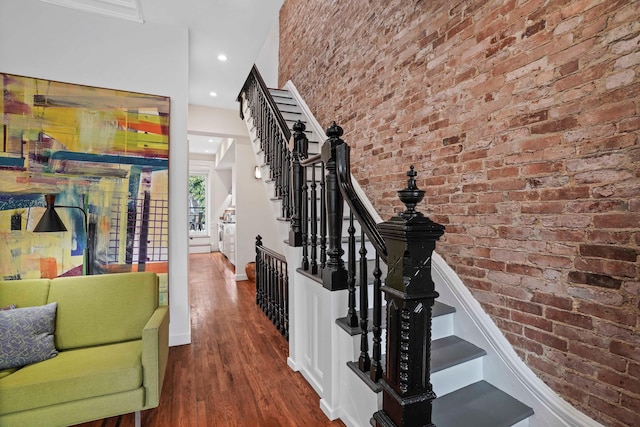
(26, 335)
(102, 309)
(24, 293)
(7, 372)
(73, 375)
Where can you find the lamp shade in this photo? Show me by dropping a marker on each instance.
(50, 221)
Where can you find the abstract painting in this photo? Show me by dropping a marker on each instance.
(102, 151)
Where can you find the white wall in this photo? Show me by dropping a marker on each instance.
(216, 121)
(46, 41)
(267, 61)
(254, 210)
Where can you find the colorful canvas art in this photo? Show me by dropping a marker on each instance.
(102, 152)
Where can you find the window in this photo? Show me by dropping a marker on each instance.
(198, 224)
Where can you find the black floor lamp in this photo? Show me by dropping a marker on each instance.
(51, 222)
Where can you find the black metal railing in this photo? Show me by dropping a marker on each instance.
(318, 187)
(272, 286)
(273, 134)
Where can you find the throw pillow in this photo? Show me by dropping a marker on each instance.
(26, 335)
(9, 307)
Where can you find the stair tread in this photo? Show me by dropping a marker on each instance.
(452, 350)
(480, 405)
(439, 309)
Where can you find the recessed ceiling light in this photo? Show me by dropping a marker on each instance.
(212, 93)
(211, 140)
(222, 57)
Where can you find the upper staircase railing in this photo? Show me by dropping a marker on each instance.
(273, 132)
(313, 190)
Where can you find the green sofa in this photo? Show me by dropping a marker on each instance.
(112, 342)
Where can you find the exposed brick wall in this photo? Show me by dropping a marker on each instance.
(521, 118)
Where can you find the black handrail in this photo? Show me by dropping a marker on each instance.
(343, 162)
(272, 104)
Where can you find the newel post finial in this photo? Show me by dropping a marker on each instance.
(411, 195)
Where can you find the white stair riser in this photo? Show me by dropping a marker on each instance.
(442, 326)
(456, 377)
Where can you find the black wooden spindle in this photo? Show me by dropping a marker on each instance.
(364, 362)
(323, 223)
(258, 265)
(314, 222)
(286, 303)
(352, 315)
(281, 298)
(304, 223)
(376, 365)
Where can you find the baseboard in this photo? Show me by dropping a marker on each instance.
(200, 249)
(241, 276)
(292, 364)
(181, 339)
(332, 414)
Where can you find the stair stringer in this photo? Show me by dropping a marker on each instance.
(502, 366)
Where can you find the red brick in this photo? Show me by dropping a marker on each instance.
(530, 320)
(569, 318)
(626, 350)
(546, 339)
(617, 220)
(525, 307)
(561, 302)
(599, 280)
(598, 355)
(620, 316)
(610, 252)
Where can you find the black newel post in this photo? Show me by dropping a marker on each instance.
(409, 290)
(334, 275)
(298, 145)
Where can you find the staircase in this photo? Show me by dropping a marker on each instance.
(467, 379)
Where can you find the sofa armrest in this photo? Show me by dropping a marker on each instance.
(155, 353)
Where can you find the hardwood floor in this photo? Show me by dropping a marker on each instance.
(235, 371)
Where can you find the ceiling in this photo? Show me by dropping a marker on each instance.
(235, 28)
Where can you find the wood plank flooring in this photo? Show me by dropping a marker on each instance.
(235, 371)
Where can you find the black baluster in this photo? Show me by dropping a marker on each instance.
(280, 297)
(258, 263)
(352, 315)
(304, 223)
(323, 222)
(314, 221)
(299, 150)
(276, 293)
(364, 362)
(285, 331)
(376, 365)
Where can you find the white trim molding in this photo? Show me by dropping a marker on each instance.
(123, 9)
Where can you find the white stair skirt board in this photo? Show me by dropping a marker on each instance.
(502, 366)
